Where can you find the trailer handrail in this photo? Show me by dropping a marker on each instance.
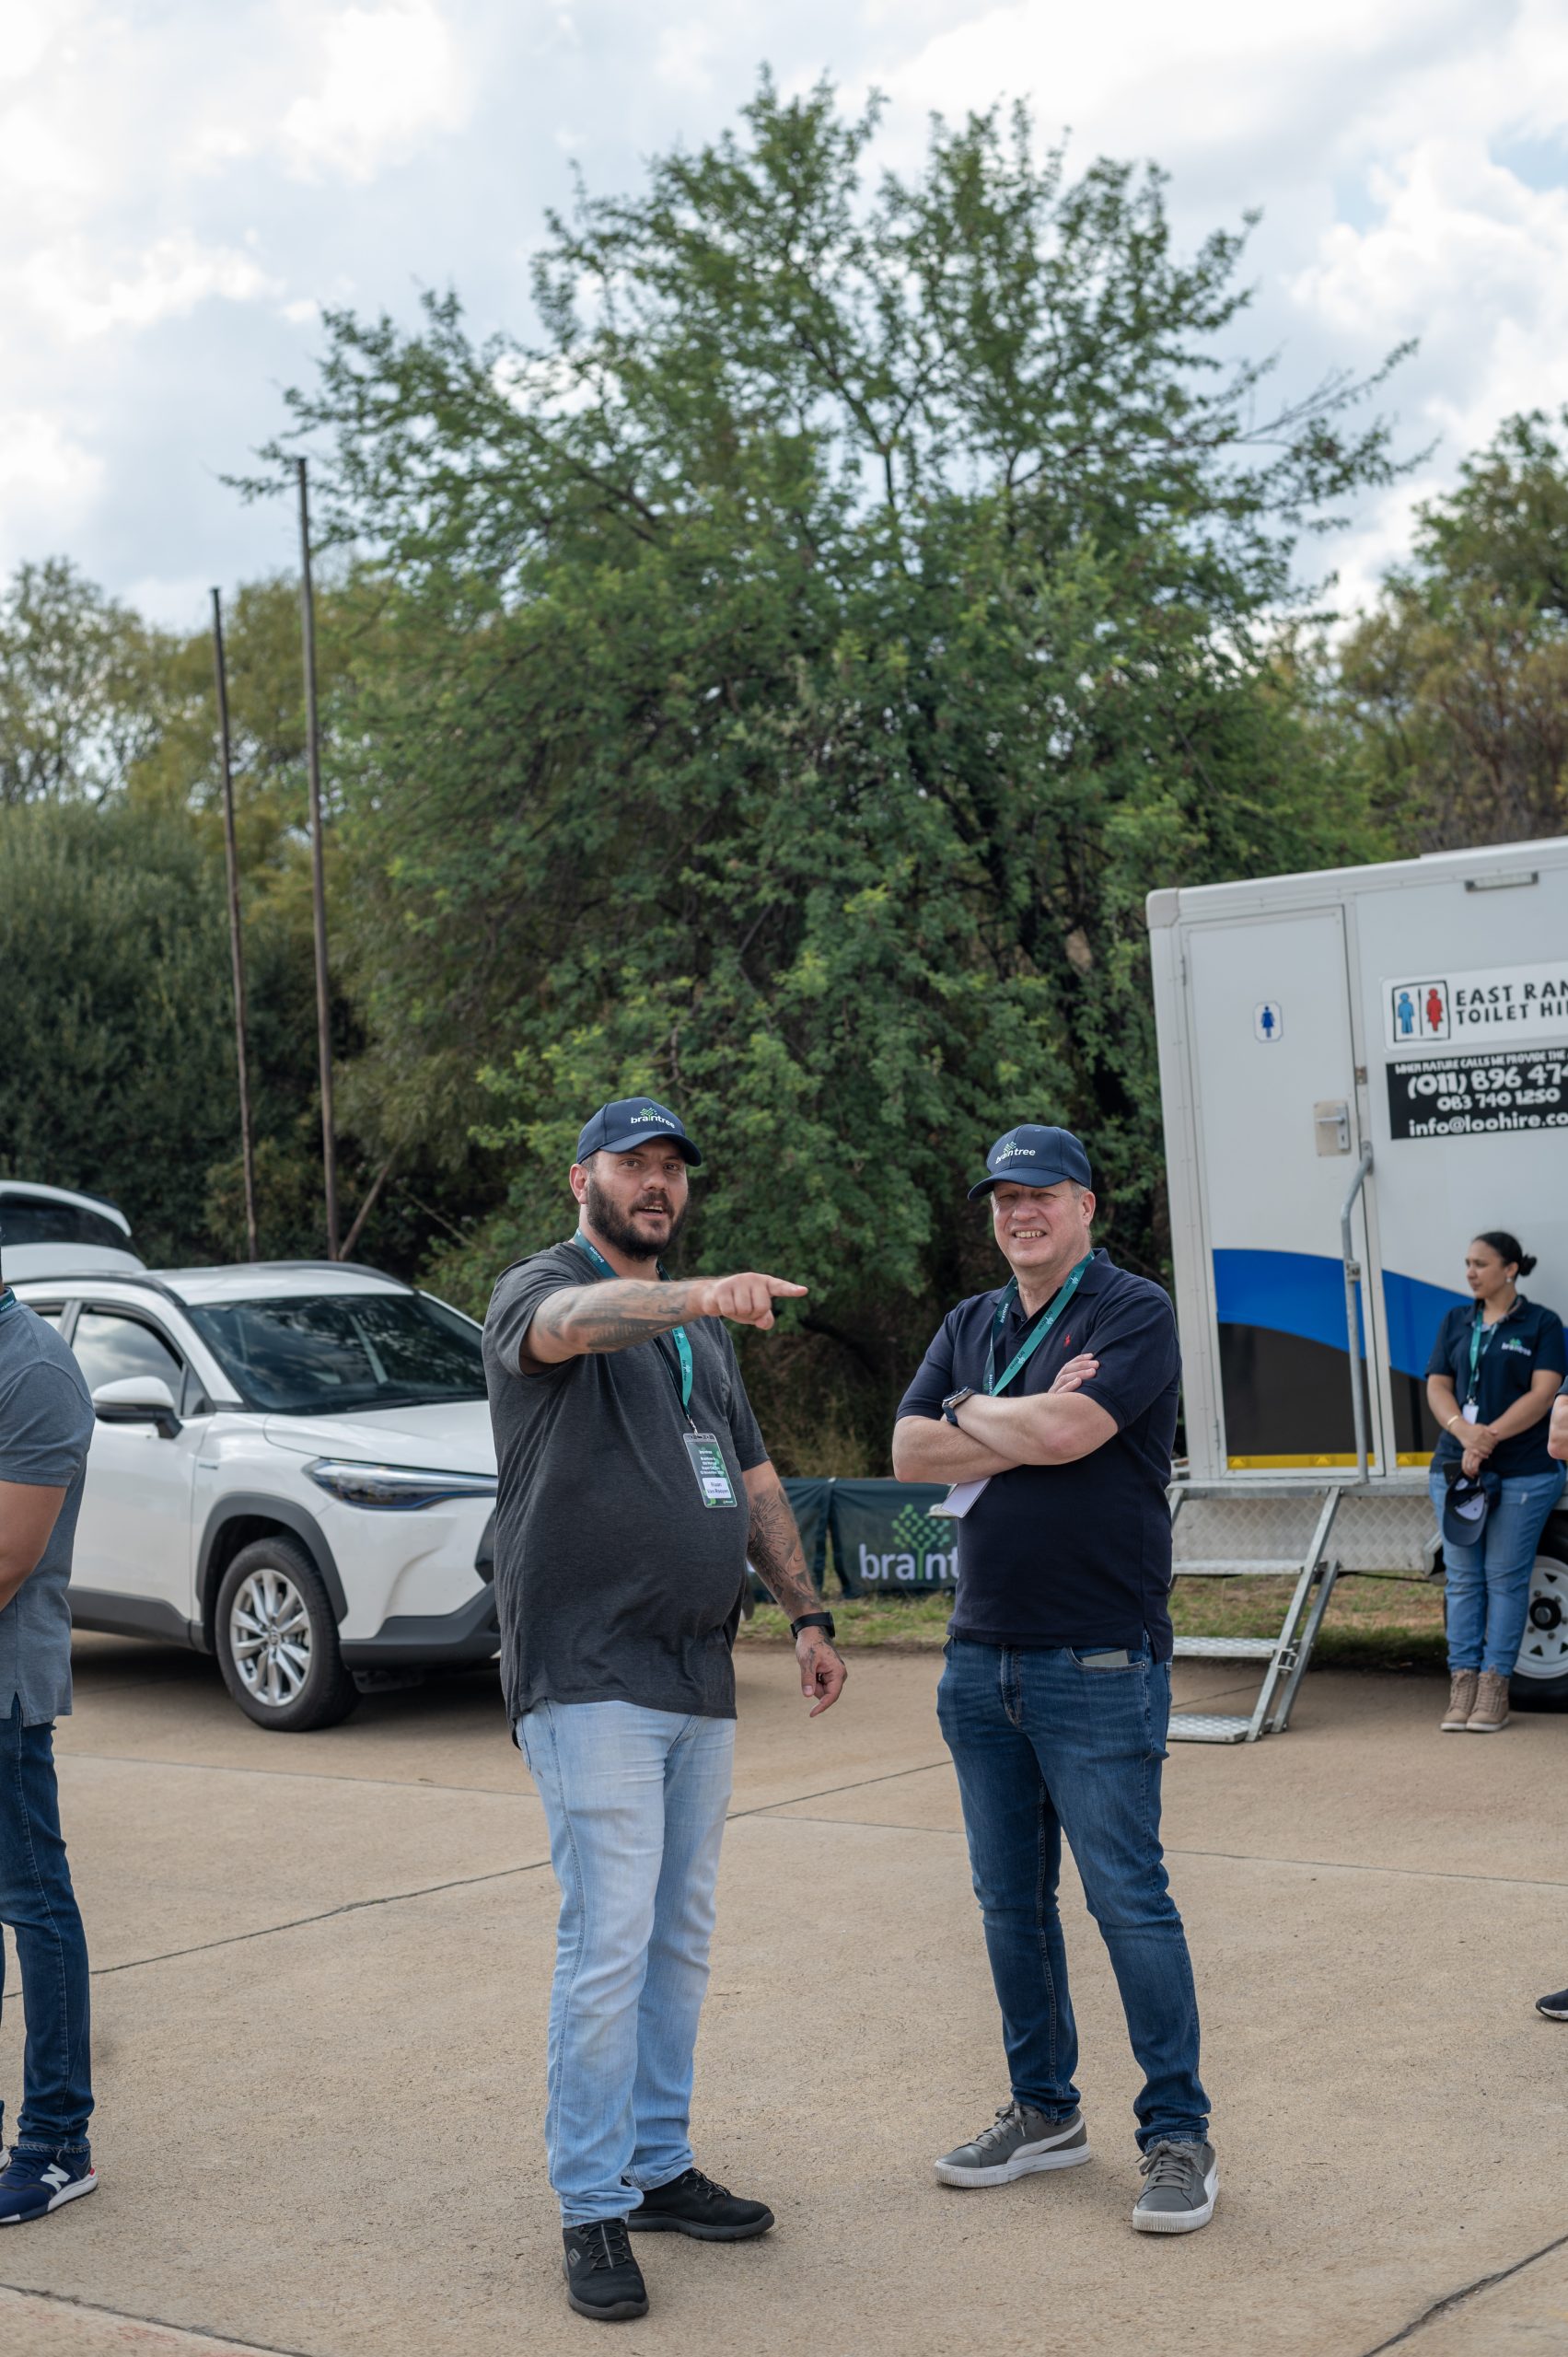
(1352, 1322)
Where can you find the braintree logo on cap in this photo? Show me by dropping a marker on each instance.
(653, 1113)
(1012, 1146)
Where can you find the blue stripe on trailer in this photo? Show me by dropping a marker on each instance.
(1415, 1311)
(1303, 1294)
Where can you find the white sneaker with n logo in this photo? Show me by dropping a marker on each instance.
(35, 2183)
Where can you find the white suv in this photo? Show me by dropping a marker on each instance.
(293, 1469)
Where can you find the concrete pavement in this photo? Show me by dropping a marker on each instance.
(322, 1966)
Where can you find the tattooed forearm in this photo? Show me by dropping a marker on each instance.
(773, 1546)
(612, 1316)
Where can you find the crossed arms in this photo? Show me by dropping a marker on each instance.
(1055, 1427)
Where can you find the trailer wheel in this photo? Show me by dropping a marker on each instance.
(1541, 1675)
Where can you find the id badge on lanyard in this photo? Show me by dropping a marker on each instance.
(702, 1449)
(1480, 1340)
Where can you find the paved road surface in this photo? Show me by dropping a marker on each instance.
(321, 1969)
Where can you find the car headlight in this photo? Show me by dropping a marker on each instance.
(395, 1488)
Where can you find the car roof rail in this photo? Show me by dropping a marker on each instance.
(152, 1283)
(336, 1267)
(142, 1277)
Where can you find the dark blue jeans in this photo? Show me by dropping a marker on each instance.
(37, 1902)
(1045, 1747)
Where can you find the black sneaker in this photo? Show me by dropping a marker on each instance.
(693, 2204)
(603, 2279)
(1554, 2008)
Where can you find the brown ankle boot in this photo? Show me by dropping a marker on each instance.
(1491, 1712)
(1461, 1701)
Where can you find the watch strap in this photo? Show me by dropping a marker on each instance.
(814, 1620)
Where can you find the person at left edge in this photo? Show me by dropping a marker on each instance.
(46, 1427)
(633, 1486)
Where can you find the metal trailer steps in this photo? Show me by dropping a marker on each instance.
(1220, 1530)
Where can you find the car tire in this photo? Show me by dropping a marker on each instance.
(276, 1639)
(1541, 1675)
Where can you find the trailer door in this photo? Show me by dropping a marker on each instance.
(1275, 1073)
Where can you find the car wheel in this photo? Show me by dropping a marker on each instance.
(276, 1639)
(1540, 1674)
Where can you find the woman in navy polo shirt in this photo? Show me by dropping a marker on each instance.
(1495, 1371)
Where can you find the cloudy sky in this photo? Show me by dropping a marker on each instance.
(183, 184)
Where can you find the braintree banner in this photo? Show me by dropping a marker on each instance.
(885, 1540)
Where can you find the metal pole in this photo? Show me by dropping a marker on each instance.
(235, 944)
(1353, 1323)
(318, 877)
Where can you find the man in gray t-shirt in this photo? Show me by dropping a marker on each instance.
(46, 1424)
(633, 1487)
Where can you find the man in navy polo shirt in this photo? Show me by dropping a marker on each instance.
(1052, 1403)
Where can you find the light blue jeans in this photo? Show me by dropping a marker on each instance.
(1489, 1586)
(635, 1802)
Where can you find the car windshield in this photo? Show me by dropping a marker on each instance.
(327, 1354)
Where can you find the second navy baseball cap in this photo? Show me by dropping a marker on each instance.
(627, 1122)
(1034, 1155)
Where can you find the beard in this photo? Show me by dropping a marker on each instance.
(617, 1230)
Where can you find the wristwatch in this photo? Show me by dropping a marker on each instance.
(955, 1400)
(823, 1620)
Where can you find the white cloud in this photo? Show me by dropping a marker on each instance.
(182, 187)
(387, 79)
(83, 295)
(48, 484)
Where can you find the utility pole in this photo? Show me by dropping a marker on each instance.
(236, 946)
(317, 874)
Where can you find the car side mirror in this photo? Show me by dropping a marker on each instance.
(137, 1400)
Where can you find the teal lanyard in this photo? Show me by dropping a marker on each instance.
(680, 1367)
(7, 1302)
(1031, 1343)
(1481, 1337)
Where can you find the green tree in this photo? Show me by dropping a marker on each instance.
(1455, 688)
(119, 1067)
(794, 673)
(80, 678)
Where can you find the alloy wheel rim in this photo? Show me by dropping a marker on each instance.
(1543, 1652)
(269, 1635)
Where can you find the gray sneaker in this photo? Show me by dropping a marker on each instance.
(1018, 2141)
(1178, 2194)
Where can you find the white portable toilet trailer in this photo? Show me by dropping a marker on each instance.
(1361, 1069)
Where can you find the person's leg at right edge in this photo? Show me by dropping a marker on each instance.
(600, 1771)
(1015, 1858)
(1518, 1516)
(1099, 1723)
(51, 2161)
(677, 2196)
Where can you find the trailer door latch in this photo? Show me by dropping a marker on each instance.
(1331, 1118)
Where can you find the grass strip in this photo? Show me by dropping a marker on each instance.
(1373, 1622)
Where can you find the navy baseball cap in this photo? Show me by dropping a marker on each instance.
(1467, 1503)
(1034, 1156)
(627, 1122)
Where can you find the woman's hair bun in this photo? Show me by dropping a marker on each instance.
(1527, 1262)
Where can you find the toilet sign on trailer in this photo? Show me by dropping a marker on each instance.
(1268, 1023)
(1487, 1006)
